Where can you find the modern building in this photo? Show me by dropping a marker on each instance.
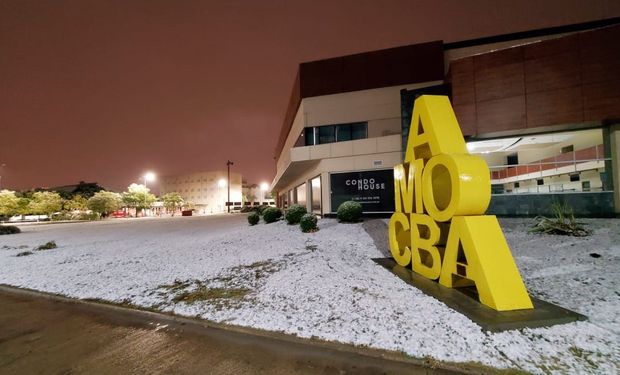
(206, 191)
(541, 107)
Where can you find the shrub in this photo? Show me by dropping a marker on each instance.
(271, 214)
(294, 214)
(308, 223)
(350, 212)
(47, 246)
(261, 209)
(563, 222)
(9, 229)
(253, 218)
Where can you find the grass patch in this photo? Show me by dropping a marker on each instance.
(204, 293)
(47, 246)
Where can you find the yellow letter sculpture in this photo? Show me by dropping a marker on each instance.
(442, 192)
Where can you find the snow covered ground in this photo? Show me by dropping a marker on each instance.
(325, 285)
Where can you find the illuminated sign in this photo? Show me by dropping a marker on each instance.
(439, 227)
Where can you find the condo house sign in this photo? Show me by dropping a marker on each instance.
(438, 227)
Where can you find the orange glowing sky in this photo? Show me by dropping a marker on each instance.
(106, 90)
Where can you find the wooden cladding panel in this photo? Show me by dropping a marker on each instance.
(560, 106)
(601, 100)
(570, 79)
(466, 116)
(499, 82)
(462, 80)
(600, 55)
(501, 114)
(553, 72)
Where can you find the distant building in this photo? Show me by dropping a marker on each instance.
(254, 195)
(207, 191)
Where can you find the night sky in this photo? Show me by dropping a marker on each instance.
(106, 90)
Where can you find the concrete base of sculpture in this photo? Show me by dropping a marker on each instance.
(464, 300)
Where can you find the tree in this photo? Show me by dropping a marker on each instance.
(77, 203)
(139, 197)
(172, 201)
(45, 203)
(87, 189)
(23, 206)
(8, 203)
(104, 202)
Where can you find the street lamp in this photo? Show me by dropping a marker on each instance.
(228, 164)
(220, 184)
(263, 188)
(148, 176)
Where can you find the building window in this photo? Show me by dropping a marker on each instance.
(335, 133)
(300, 192)
(315, 195)
(327, 134)
(574, 177)
(540, 182)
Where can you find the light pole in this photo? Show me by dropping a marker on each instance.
(149, 176)
(228, 164)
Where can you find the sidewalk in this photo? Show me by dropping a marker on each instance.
(41, 333)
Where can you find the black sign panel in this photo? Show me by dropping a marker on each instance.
(373, 189)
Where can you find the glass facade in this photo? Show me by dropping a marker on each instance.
(300, 192)
(335, 133)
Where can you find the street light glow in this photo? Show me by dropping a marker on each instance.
(264, 186)
(149, 176)
(221, 183)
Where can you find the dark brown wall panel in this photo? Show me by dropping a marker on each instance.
(600, 55)
(560, 106)
(466, 116)
(551, 47)
(462, 81)
(601, 101)
(502, 114)
(553, 72)
(499, 74)
(389, 67)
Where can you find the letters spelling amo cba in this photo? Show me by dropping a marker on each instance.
(439, 226)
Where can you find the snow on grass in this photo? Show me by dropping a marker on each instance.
(325, 285)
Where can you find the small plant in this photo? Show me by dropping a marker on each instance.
(294, 214)
(9, 229)
(271, 214)
(253, 218)
(47, 246)
(350, 212)
(308, 223)
(563, 222)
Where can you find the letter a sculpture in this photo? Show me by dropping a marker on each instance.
(439, 228)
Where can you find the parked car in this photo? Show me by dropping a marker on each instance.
(118, 214)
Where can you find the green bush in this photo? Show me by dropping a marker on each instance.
(261, 209)
(294, 214)
(9, 229)
(253, 218)
(350, 212)
(271, 214)
(308, 223)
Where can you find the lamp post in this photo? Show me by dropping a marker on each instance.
(149, 176)
(228, 164)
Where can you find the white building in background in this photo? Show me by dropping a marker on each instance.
(207, 191)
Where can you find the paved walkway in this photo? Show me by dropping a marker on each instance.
(55, 335)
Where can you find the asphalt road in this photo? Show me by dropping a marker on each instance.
(41, 335)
